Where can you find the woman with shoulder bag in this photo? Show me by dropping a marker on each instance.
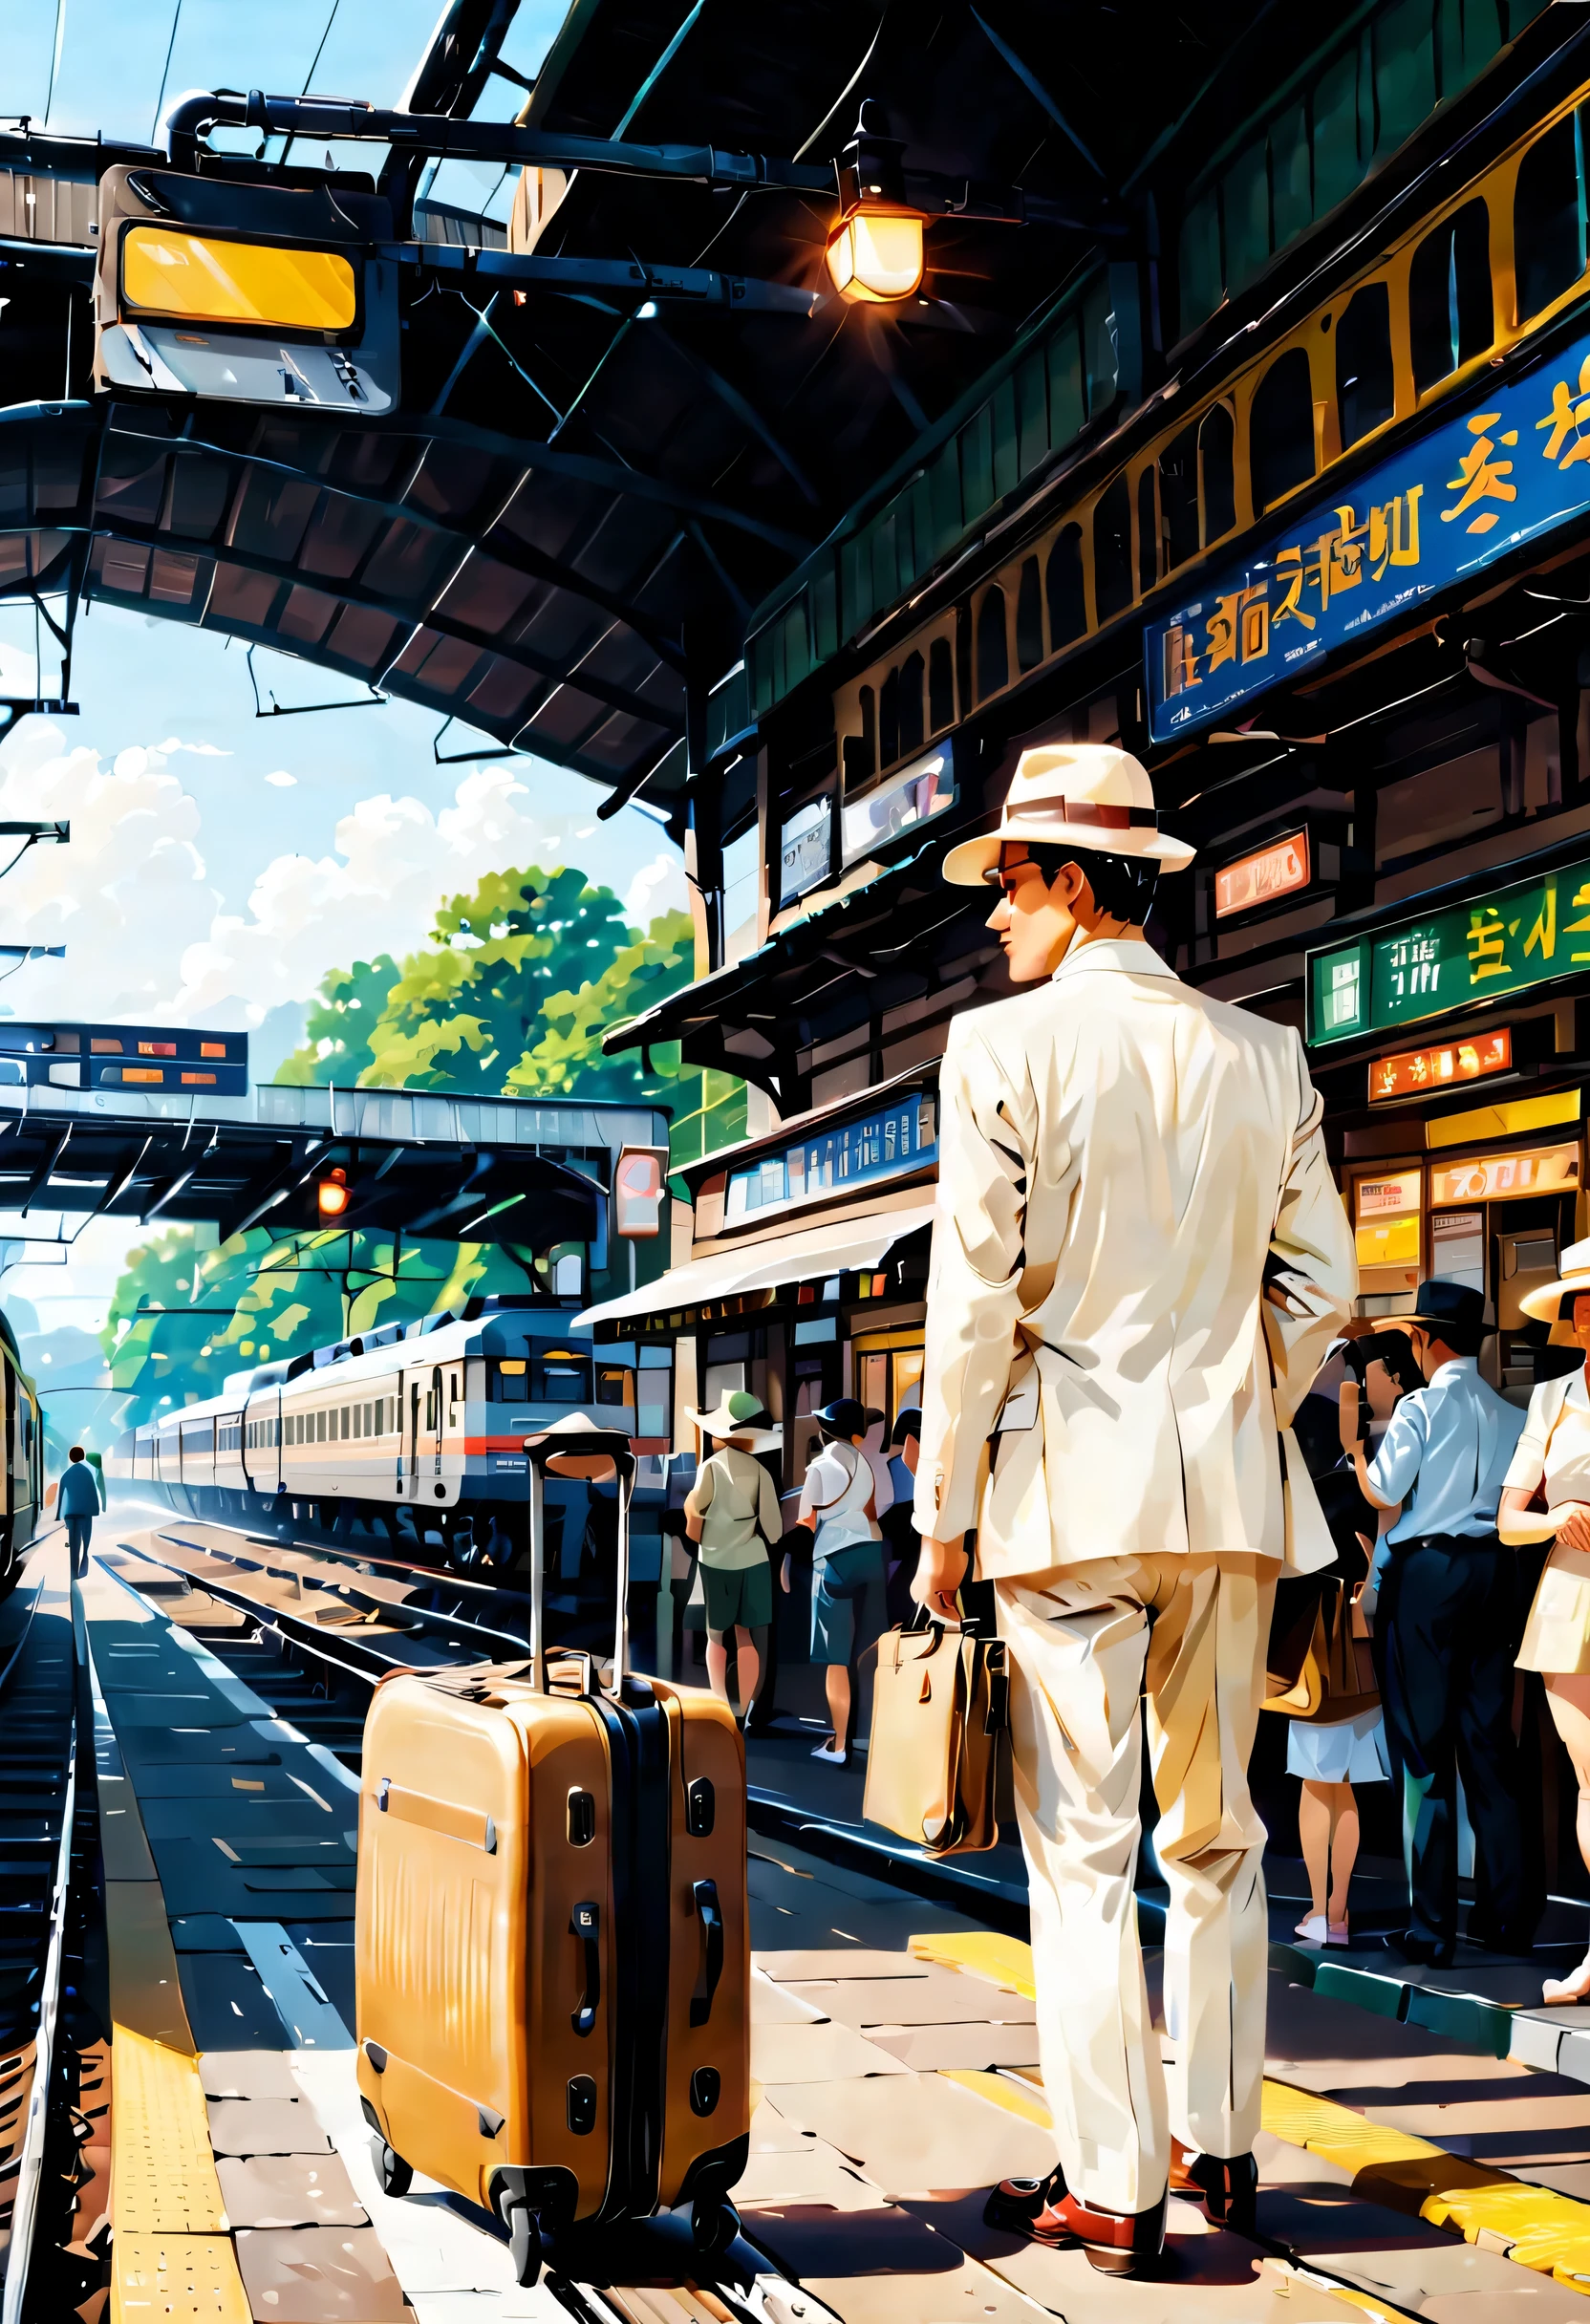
(732, 1510)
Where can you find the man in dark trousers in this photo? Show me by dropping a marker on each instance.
(79, 1505)
(1447, 1627)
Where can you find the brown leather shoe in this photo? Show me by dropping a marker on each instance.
(1117, 2243)
(1227, 2186)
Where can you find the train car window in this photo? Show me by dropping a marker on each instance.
(614, 1386)
(992, 654)
(320, 1427)
(1178, 498)
(1451, 317)
(510, 1380)
(1148, 532)
(1281, 430)
(1366, 388)
(1029, 617)
(1217, 471)
(941, 686)
(1065, 588)
(1548, 216)
(912, 671)
(1112, 550)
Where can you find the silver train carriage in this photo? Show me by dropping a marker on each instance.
(21, 1492)
(416, 1430)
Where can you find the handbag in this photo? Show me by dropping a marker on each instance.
(1317, 1667)
(940, 1708)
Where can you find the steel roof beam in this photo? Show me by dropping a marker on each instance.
(347, 593)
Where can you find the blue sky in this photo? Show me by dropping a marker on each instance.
(221, 863)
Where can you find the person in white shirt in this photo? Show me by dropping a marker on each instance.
(839, 1502)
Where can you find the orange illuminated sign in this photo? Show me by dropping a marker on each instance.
(1547, 1170)
(1419, 1069)
(1259, 880)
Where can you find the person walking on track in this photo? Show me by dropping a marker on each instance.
(1139, 1258)
(78, 1504)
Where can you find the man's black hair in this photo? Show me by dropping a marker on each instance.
(1123, 885)
(908, 1422)
(1395, 1351)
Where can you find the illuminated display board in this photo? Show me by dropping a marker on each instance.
(1259, 880)
(1511, 466)
(1416, 1072)
(1498, 944)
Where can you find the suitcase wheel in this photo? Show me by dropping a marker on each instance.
(523, 2241)
(713, 2225)
(394, 2176)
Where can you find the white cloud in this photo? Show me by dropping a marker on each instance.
(282, 780)
(198, 750)
(149, 937)
(656, 886)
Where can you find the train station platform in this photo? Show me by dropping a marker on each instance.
(1409, 2169)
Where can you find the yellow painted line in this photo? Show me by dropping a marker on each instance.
(176, 2279)
(1001, 1961)
(1013, 2096)
(1534, 2226)
(162, 2169)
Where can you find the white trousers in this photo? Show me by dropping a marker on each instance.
(1086, 1644)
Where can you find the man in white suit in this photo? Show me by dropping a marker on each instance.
(1139, 1260)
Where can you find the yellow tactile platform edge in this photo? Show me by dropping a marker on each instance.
(1532, 2224)
(185, 2278)
(164, 2179)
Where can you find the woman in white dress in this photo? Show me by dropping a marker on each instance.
(1552, 1460)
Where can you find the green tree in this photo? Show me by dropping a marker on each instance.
(339, 1021)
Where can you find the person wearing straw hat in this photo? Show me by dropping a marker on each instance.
(1139, 1258)
(732, 1510)
(1553, 1462)
(1445, 1629)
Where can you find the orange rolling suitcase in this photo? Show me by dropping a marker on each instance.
(554, 1951)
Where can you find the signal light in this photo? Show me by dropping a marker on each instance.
(331, 1196)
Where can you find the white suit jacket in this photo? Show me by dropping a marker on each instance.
(1123, 1163)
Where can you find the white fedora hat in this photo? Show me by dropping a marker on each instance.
(1073, 794)
(1543, 1303)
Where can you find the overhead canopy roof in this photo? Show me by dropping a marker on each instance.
(243, 1166)
(586, 488)
(760, 1263)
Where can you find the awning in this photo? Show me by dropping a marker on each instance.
(841, 1246)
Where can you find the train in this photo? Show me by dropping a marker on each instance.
(24, 1457)
(416, 1430)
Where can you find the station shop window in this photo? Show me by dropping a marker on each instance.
(941, 686)
(1548, 216)
(1217, 471)
(1178, 498)
(1281, 430)
(1064, 588)
(1029, 617)
(1112, 550)
(1366, 386)
(1450, 318)
(1148, 532)
(993, 653)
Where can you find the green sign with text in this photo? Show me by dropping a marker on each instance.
(1503, 943)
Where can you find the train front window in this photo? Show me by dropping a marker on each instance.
(510, 1381)
(561, 1375)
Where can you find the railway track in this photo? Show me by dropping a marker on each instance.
(320, 1680)
(54, 2009)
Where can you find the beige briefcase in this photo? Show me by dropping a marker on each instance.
(940, 1704)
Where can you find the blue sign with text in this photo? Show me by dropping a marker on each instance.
(1493, 476)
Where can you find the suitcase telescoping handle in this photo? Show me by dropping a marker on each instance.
(578, 1450)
